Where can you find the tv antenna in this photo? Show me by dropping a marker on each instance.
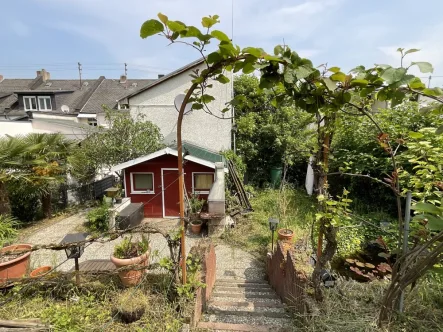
(178, 101)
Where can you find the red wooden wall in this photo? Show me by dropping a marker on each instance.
(153, 202)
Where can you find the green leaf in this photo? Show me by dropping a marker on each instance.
(222, 79)
(150, 28)
(303, 71)
(425, 67)
(208, 22)
(433, 92)
(278, 50)
(392, 75)
(163, 18)
(426, 207)
(227, 48)
(341, 77)
(331, 85)
(359, 82)
(207, 98)
(289, 75)
(412, 50)
(175, 26)
(220, 35)
(416, 83)
(334, 69)
(271, 58)
(193, 32)
(439, 130)
(253, 51)
(197, 106)
(248, 68)
(413, 134)
(214, 57)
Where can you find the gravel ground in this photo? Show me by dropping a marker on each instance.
(56, 232)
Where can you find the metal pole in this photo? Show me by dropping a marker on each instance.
(272, 236)
(405, 242)
(77, 269)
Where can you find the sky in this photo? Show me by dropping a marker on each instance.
(104, 34)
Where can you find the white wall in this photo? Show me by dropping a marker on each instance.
(199, 127)
(14, 128)
(42, 126)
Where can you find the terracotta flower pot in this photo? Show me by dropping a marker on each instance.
(285, 234)
(40, 271)
(15, 268)
(131, 277)
(196, 226)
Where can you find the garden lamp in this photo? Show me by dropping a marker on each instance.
(273, 222)
(75, 251)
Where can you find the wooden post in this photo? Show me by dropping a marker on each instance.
(77, 269)
(181, 178)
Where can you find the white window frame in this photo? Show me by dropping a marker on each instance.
(24, 103)
(41, 99)
(133, 191)
(193, 184)
(92, 122)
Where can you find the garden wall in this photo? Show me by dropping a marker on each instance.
(288, 272)
(205, 252)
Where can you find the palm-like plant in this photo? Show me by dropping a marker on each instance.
(35, 160)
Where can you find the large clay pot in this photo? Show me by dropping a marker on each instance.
(17, 267)
(196, 226)
(40, 271)
(131, 277)
(285, 234)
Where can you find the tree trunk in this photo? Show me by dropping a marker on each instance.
(5, 207)
(46, 204)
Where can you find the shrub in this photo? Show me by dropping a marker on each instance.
(98, 219)
(25, 203)
(8, 233)
(129, 249)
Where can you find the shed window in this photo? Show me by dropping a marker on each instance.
(30, 103)
(202, 182)
(142, 183)
(44, 103)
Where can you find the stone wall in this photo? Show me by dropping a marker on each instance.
(204, 250)
(288, 273)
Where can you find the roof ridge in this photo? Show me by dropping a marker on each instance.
(84, 100)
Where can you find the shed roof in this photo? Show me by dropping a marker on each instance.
(165, 151)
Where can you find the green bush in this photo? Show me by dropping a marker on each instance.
(98, 219)
(8, 232)
(25, 202)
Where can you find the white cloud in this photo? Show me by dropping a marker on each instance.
(19, 28)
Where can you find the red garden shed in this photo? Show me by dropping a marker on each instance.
(153, 180)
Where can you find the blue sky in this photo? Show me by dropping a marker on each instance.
(103, 34)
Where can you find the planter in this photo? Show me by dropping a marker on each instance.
(131, 277)
(40, 271)
(196, 226)
(118, 200)
(285, 234)
(16, 267)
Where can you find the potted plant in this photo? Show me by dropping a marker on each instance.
(196, 205)
(40, 271)
(14, 265)
(196, 226)
(284, 234)
(128, 253)
(118, 196)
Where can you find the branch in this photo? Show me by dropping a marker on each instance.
(364, 176)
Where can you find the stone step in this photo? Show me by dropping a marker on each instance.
(247, 305)
(249, 312)
(245, 295)
(228, 298)
(213, 326)
(249, 289)
(248, 319)
(242, 285)
(242, 281)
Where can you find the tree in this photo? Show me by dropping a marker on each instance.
(268, 136)
(36, 161)
(125, 138)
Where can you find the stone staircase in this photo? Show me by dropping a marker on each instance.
(239, 304)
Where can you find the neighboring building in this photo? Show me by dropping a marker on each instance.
(156, 102)
(44, 105)
(153, 181)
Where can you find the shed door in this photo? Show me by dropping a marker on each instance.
(171, 200)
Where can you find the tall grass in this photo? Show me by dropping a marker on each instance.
(252, 232)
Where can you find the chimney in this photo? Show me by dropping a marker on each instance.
(1, 78)
(44, 74)
(161, 75)
(123, 79)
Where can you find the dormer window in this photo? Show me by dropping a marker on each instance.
(30, 103)
(44, 103)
